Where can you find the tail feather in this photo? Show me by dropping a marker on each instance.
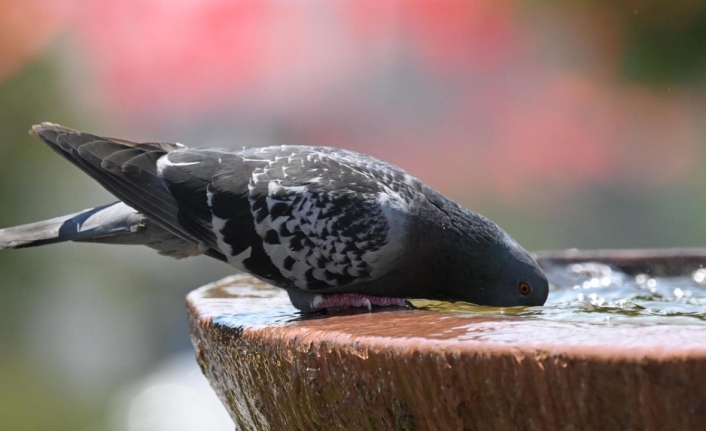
(88, 152)
(70, 227)
(114, 223)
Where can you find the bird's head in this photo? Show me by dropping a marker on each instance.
(515, 277)
(486, 266)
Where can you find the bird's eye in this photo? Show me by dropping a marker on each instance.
(524, 288)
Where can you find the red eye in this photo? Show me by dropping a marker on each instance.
(524, 288)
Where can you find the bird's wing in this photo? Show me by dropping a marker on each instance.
(129, 171)
(327, 218)
(299, 217)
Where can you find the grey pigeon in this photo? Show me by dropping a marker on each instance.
(334, 228)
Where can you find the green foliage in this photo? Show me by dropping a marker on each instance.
(664, 44)
(656, 42)
(28, 400)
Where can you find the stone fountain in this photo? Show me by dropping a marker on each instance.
(417, 369)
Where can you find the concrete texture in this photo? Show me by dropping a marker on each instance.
(404, 369)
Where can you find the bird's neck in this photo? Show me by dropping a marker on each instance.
(459, 242)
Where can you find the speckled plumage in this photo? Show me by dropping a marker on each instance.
(312, 220)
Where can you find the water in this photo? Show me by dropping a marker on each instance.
(588, 292)
(599, 293)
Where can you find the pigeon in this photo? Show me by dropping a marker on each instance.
(334, 228)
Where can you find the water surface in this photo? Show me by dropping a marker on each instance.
(598, 293)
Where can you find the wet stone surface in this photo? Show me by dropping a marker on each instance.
(610, 348)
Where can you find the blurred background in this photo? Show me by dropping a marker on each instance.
(572, 124)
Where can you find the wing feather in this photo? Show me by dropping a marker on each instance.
(127, 170)
(311, 218)
(322, 221)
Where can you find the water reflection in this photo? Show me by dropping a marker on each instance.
(598, 293)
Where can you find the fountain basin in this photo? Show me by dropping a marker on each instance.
(414, 369)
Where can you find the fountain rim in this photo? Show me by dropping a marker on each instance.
(640, 342)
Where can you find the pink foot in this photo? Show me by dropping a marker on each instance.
(349, 300)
